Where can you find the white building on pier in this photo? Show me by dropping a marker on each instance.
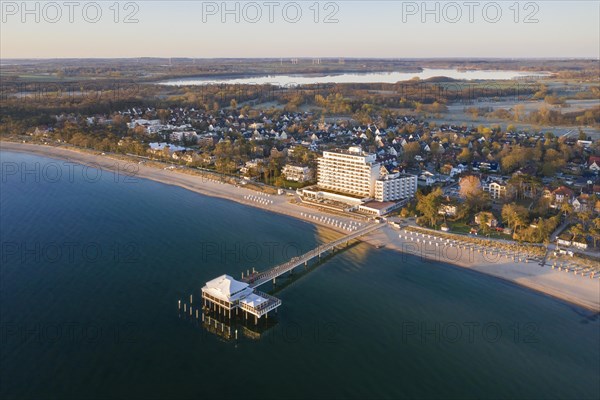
(225, 294)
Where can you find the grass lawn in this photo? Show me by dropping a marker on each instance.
(461, 227)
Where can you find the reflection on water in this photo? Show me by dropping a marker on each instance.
(228, 329)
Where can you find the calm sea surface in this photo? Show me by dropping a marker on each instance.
(93, 267)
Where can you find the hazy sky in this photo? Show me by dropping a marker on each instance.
(295, 29)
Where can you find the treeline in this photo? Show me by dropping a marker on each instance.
(544, 116)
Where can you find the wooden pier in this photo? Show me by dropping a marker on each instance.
(225, 296)
(258, 278)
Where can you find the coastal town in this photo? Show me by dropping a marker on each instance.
(300, 200)
(525, 186)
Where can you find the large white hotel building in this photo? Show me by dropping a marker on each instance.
(357, 174)
(348, 171)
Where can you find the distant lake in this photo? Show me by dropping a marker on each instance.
(371, 77)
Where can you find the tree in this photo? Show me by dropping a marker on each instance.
(470, 186)
(519, 112)
(595, 231)
(584, 217)
(484, 218)
(163, 114)
(436, 148)
(566, 208)
(429, 205)
(577, 231)
(411, 150)
(515, 216)
(465, 155)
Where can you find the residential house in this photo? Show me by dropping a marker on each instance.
(449, 210)
(594, 163)
(561, 195)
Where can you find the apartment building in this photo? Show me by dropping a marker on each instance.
(297, 173)
(395, 187)
(497, 190)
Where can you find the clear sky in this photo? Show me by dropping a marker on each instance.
(389, 29)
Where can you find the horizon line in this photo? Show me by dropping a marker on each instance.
(591, 58)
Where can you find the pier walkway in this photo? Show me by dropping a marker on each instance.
(258, 278)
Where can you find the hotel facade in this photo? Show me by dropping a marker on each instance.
(348, 171)
(354, 177)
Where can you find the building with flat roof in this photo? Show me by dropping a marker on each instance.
(355, 177)
(348, 171)
(395, 187)
(379, 208)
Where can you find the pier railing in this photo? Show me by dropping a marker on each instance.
(271, 304)
(260, 278)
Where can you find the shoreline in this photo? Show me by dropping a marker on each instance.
(573, 289)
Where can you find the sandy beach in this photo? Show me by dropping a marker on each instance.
(563, 284)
